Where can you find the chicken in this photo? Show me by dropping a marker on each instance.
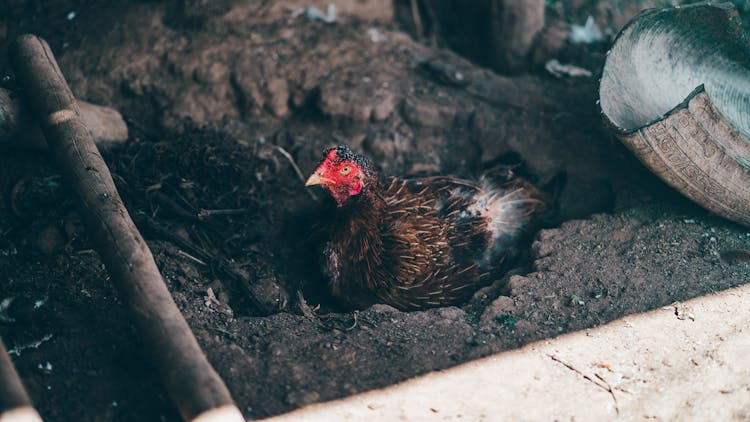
(417, 243)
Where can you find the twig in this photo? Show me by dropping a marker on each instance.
(416, 18)
(189, 378)
(215, 262)
(33, 345)
(15, 404)
(310, 314)
(190, 257)
(605, 386)
(296, 169)
(208, 213)
(305, 308)
(221, 331)
(187, 212)
(356, 322)
(174, 206)
(611, 392)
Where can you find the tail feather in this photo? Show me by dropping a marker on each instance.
(509, 209)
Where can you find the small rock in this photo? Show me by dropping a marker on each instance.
(49, 240)
(105, 124)
(45, 368)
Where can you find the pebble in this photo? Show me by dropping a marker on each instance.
(49, 240)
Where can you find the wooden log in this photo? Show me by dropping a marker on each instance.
(515, 25)
(15, 405)
(18, 130)
(191, 382)
(502, 34)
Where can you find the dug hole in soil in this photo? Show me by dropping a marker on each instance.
(214, 95)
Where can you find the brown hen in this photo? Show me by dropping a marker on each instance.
(417, 243)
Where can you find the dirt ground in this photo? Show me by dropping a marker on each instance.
(213, 92)
(623, 370)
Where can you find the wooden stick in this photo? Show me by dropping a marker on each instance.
(192, 383)
(18, 130)
(514, 27)
(15, 405)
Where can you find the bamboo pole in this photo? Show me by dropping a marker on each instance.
(193, 385)
(15, 405)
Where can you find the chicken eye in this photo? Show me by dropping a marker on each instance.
(345, 170)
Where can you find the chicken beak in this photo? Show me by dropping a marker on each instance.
(317, 179)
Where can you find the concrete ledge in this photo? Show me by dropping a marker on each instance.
(688, 361)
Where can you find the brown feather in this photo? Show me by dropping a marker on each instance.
(418, 243)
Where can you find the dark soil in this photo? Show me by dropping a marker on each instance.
(212, 92)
